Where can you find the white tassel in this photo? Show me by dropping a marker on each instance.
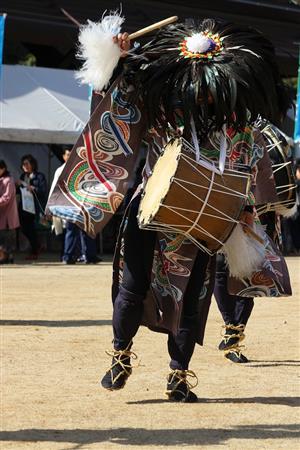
(244, 255)
(100, 53)
(198, 43)
(286, 212)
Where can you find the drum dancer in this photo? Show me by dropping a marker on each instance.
(190, 80)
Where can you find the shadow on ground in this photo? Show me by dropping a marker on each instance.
(38, 263)
(154, 437)
(54, 323)
(256, 363)
(285, 401)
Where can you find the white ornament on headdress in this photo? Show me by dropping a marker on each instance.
(198, 43)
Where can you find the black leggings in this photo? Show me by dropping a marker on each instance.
(235, 310)
(128, 306)
(181, 347)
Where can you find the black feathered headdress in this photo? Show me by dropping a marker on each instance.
(211, 71)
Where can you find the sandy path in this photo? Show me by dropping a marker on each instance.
(55, 327)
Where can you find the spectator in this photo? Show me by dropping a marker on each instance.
(9, 218)
(73, 237)
(59, 225)
(88, 249)
(66, 152)
(34, 182)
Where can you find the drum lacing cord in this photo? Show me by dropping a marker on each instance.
(205, 202)
(272, 206)
(238, 328)
(180, 376)
(280, 166)
(118, 358)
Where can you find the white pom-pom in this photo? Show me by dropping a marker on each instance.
(198, 43)
(100, 53)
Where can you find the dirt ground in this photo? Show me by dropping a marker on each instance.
(56, 325)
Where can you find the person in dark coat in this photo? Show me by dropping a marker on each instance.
(34, 182)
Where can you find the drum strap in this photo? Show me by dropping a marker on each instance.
(222, 150)
(195, 140)
(223, 142)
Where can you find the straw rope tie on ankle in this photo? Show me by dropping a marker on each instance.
(240, 332)
(119, 356)
(182, 375)
(236, 349)
(240, 327)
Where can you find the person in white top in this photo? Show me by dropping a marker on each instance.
(58, 225)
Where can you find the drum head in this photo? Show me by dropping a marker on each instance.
(159, 182)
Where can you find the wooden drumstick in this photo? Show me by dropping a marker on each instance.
(152, 27)
(252, 233)
(136, 34)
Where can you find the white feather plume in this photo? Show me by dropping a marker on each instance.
(97, 49)
(244, 255)
(198, 43)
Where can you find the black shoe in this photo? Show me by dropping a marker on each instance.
(4, 261)
(117, 375)
(93, 261)
(179, 388)
(232, 336)
(69, 261)
(236, 356)
(7, 258)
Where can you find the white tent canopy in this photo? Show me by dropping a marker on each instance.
(41, 105)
